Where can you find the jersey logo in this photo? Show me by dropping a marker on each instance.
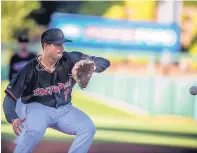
(56, 89)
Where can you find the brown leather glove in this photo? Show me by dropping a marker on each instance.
(82, 72)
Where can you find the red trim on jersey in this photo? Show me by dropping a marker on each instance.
(43, 65)
(10, 93)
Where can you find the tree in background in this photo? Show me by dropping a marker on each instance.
(47, 8)
(96, 8)
(14, 18)
(188, 28)
(132, 10)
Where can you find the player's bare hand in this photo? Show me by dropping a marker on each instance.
(17, 126)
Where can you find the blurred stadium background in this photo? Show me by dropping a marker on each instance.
(142, 102)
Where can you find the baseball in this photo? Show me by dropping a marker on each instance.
(193, 90)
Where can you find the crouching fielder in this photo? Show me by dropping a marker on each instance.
(39, 97)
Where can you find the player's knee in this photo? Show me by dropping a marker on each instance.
(30, 138)
(91, 129)
(35, 135)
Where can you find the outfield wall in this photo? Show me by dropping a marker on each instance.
(156, 95)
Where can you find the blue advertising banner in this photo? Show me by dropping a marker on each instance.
(99, 32)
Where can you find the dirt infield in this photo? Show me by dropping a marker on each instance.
(60, 147)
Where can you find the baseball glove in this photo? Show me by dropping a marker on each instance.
(82, 72)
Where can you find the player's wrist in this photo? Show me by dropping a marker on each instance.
(12, 120)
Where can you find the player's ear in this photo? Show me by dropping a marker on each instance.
(42, 45)
(45, 45)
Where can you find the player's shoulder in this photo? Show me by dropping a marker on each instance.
(33, 61)
(29, 68)
(31, 64)
(33, 55)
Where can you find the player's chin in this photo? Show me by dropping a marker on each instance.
(59, 55)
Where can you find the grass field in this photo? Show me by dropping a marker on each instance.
(117, 126)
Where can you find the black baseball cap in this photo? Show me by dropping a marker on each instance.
(54, 36)
(23, 39)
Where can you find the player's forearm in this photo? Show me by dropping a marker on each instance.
(9, 106)
(101, 64)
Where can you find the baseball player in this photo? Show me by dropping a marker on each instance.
(39, 96)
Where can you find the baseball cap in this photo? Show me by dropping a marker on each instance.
(23, 39)
(54, 36)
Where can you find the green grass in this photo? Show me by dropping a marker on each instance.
(105, 116)
(110, 118)
(114, 136)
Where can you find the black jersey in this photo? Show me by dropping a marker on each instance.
(17, 63)
(34, 83)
